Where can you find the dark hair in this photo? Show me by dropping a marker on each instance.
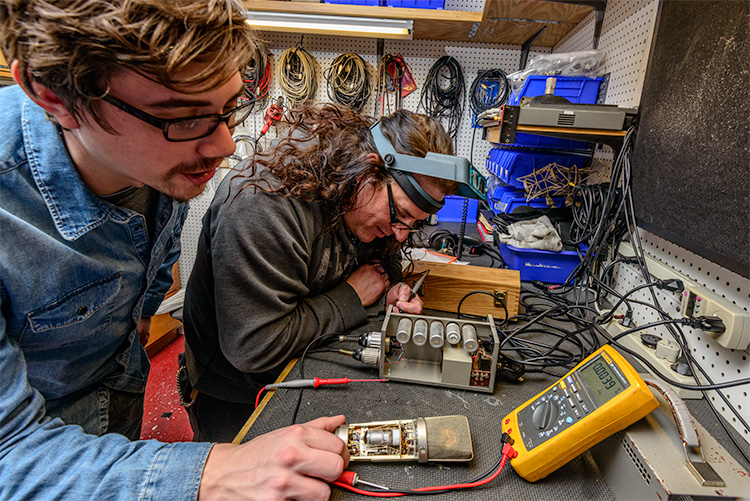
(327, 157)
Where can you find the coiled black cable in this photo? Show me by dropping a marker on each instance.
(445, 102)
(349, 81)
(478, 91)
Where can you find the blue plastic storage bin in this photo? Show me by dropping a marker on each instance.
(534, 264)
(537, 141)
(499, 190)
(509, 165)
(377, 3)
(578, 90)
(510, 201)
(452, 211)
(417, 4)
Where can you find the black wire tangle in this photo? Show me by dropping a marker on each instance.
(348, 81)
(443, 95)
(478, 95)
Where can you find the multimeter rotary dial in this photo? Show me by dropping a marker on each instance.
(545, 414)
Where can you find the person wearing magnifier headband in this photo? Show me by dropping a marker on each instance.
(298, 243)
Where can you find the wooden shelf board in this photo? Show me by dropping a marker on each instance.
(508, 22)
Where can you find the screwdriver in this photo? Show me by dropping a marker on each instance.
(418, 284)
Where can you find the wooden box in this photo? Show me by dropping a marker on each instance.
(164, 327)
(447, 284)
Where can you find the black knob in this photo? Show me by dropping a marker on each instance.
(389, 159)
(544, 415)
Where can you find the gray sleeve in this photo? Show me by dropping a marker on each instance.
(265, 314)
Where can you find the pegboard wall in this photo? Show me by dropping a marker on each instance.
(627, 29)
(419, 55)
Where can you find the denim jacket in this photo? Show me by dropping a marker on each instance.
(76, 275)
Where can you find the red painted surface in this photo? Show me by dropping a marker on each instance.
(164, 419)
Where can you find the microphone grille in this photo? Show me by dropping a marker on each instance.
(448, 439)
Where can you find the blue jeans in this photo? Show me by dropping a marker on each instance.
(102, 410)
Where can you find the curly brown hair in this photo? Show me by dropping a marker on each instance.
(327, 157)
(75, 47)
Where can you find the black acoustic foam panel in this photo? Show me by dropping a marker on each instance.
(691, 168)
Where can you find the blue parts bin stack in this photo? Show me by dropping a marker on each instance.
(529, 153)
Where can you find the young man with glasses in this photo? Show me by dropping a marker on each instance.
(124, 111)
(295, 246)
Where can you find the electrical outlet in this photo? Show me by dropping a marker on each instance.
(700, 302)
(737, 321)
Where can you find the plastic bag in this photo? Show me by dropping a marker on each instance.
(587, 63)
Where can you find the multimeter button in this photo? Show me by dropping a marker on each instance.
(565, 392)
(578, 415)
(568, 419)
(571, 403)
(585, 409)
(554, 388)
(573, 387)
(544, 415)
(580, 399)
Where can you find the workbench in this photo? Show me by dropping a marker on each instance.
(380, 401)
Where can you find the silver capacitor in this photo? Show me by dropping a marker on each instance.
(403, 331)
(469, 335)
(437, 338)
(453, 333)
(419, 336)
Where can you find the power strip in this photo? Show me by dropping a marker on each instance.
(700, 302)
(633, 342)
(697, 301)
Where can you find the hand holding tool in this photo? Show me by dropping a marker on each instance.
(418, 284)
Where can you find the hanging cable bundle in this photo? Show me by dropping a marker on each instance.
(482, 94)
(297, 76)
(349, 81)
(390, 71)
(257, 78)
(445, 102)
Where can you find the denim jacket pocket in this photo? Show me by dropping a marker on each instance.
(90, 305)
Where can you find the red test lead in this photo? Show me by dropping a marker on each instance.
(310, 383)
(316, 382)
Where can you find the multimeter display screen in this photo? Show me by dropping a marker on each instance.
(601, 380)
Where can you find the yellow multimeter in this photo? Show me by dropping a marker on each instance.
(600, 396)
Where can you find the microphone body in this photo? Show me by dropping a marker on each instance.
(433, 439)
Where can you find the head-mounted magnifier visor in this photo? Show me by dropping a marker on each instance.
(471, 183)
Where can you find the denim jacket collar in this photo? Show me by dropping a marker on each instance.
(74, 208)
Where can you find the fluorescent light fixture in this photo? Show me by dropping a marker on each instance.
(331, 25)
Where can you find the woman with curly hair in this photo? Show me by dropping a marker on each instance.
(294, 246)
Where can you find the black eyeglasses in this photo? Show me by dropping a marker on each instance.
(190, 128)
(395, 221)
